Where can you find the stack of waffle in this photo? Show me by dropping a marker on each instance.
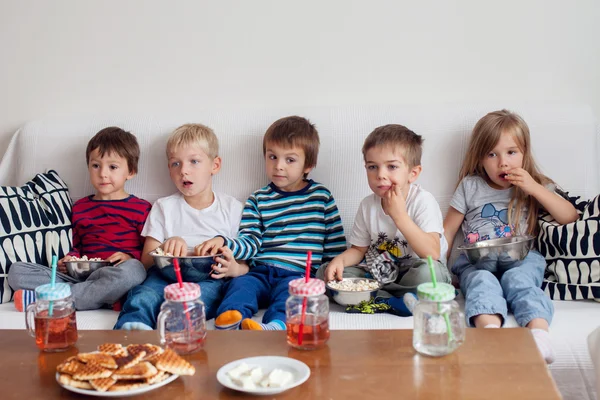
(117, 368)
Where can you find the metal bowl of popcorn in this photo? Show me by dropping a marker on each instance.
(162, 259)
(502, 250)
(81, 268)
(351, 291)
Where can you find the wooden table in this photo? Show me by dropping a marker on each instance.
(492, 364)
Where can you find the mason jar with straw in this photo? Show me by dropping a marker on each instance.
(439, 325)
(51, 319)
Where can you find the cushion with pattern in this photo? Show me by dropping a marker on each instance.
(35, 223)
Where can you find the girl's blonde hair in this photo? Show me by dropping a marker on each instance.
(486, 134)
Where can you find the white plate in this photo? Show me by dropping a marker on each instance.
(299, 370)
(133, 392)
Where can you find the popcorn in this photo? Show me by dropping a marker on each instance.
(85, 258)
(161, 252)
(354, 286)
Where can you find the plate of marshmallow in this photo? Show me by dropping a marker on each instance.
(264, 375)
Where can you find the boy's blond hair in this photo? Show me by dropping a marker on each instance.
(398, 137)
(294, 131)
(194, 134)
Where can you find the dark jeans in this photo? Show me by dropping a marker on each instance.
(263, 287)
(144, 301)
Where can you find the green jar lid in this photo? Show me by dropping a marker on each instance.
(442, 292)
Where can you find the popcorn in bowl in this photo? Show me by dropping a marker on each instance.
(160, 252)
(85, 258)
(358, 285)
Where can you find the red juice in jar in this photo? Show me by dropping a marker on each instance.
(315, 331)
(55, 333)
(185, 342)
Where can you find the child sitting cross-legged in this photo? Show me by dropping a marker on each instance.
(106, 225)
(179, 222)
(280, 223)
(397, 227)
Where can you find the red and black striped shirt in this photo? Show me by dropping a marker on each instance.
(103, 227)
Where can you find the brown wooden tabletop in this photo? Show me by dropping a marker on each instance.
(372, 364)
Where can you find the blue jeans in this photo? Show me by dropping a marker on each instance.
(144, 301)
(264, 286)
(495, 288)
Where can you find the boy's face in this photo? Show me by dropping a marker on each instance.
(285, 167)
(505, 156)
(386, 167)
(191, 170)
(108, 175)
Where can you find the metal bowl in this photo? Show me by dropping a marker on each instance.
(352, 297)
(505, 250)
(82, 269)
(162, 261)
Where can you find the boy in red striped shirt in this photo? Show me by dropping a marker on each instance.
(106, 225)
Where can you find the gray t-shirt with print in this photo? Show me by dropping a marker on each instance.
(485, 210)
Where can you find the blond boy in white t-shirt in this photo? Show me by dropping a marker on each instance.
(398, 226)
(180, 222)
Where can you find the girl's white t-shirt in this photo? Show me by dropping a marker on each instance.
(373, 227)
(172, 216)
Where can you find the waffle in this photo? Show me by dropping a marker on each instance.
(91, 370)
(70, 366)
(116, 368)
(124, 386)
(129, 359)
(102, 384)
(113, 349)
(138, 371)
(161, 376)
(68, 381)
(169, 361)
(104, 360)
(150, 349)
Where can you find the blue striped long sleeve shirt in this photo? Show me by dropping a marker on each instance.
(278, 228)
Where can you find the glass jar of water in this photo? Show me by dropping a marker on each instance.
(439, 325)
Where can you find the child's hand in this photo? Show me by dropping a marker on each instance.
(335, 270)
(60, 265)
(226, 266)
(393, 202)
(521, 178)
(210, 247)
(176, 246)
(118, 257)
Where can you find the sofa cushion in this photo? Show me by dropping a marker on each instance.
(572, 253)
(35, 223)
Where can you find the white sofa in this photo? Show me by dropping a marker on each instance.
(564, 140)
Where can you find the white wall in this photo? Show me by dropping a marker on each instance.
(68, 57)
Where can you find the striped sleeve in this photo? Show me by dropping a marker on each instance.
(249, 240)
(334, 241)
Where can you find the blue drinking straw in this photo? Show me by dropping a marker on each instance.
(52, 282)
(434, 282)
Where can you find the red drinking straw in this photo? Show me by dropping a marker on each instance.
(303, 317)
(180, 280)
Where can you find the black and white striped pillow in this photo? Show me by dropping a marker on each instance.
(572, 253)
(35, 223)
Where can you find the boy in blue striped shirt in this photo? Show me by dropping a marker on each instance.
(280, 223)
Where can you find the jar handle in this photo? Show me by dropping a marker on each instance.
(29, 320)
(160, 324)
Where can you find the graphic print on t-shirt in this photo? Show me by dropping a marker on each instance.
(490, 221)
(396, 247)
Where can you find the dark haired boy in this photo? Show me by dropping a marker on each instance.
(106, 225)
(280, 223)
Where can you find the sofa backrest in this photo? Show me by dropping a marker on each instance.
(564, 139)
